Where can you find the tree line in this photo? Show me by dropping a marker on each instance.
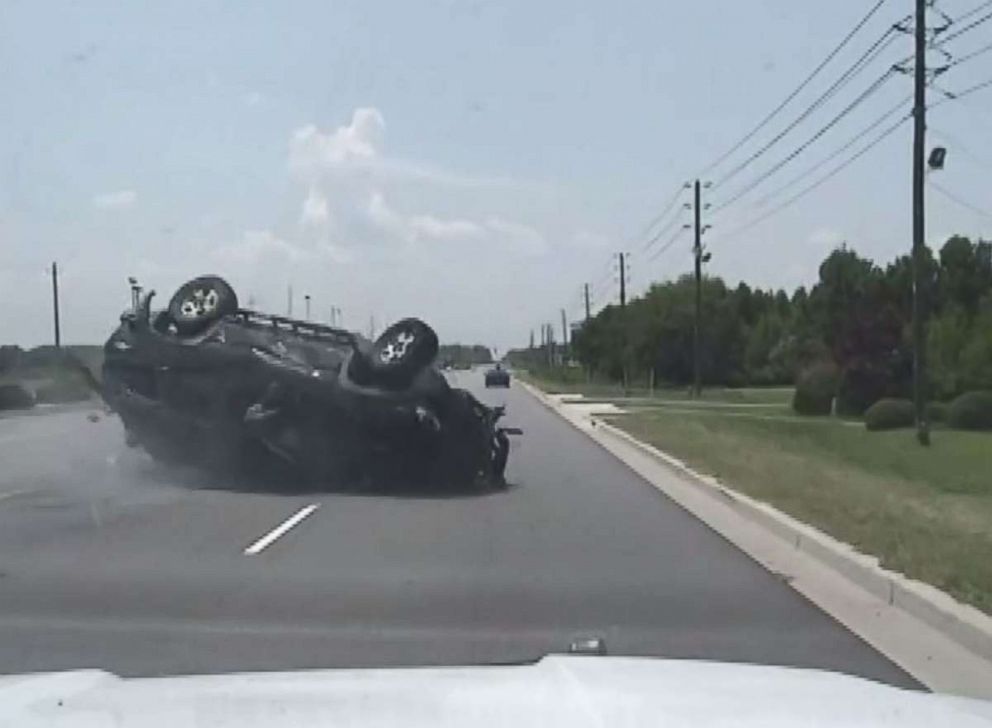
(855, 318)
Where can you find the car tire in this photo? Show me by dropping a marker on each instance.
(402, 351)
(501, 453)
(200, 302)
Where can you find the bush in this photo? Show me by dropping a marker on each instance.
(860, 387)
(815, 388)
(14, 396)
(890, 414)
(936, 411)
(62, 390)
(971, 411)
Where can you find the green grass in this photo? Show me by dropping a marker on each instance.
(573, 382)
(924, 512)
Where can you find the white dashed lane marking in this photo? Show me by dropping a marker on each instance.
(281, 530)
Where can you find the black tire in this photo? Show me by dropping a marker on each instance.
(200, 302)
(501, 453)
(402, 351)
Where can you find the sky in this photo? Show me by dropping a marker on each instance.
(474, 163)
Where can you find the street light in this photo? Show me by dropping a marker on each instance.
(936, 159)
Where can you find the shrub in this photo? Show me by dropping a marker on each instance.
(14, 396)
(936, 411)
(860, 387)
(890, 414)
(971, 411)
(815, 388)
(62, 390)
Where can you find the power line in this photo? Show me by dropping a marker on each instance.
(661, 233)
(822, 180)
(964, 203)
(966, 29)
(661, 215)
(669, 243)
(875, 85)
(968, 56)
(978, 8)
(795, 92)
(958, 146)
(954, 96)
(860, 64)
(837, 152)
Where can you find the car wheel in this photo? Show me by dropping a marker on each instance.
(500, 454)
(201, 302)
(401, 352)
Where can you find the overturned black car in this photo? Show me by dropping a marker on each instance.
(209, 383)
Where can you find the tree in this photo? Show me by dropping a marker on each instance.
(960, 275)
(976, 355)
(766, 356)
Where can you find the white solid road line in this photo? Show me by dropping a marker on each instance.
(280, 530)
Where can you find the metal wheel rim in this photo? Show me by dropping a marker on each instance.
(396, 349)
(199, 302)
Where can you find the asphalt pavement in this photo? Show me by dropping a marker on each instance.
(110, 560)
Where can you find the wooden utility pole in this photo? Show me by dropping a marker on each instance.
(623, 280)
(697, 250)
(55, 304)
(564, 329)
(587, 301)
(623, 319)
(919, 244)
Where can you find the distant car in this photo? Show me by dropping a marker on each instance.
(497, 377)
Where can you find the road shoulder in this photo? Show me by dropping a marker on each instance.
(946, 645)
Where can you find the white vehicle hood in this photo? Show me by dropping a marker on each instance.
(572, 691)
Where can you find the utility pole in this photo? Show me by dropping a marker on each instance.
(564, 329)
(55, 304)
(697, 250)
(919, 140)
(289, 300)
(306, 302)
(531, 339)
(623, 317)
(587, 301)
(623, 280)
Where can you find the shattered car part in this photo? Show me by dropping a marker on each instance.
(209, 383)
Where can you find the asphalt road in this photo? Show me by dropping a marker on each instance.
(110, 560)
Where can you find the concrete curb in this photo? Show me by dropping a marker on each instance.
(961, 623)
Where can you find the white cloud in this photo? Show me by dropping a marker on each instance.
(434, 228)
(825, 239)
(316, 212)
(495, 232)
(114, 200)
(311, 150)
(517, 237)
(587, 240)
(256, 246)
(359, 145)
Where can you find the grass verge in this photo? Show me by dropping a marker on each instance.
(614, 392)
(924, 512)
